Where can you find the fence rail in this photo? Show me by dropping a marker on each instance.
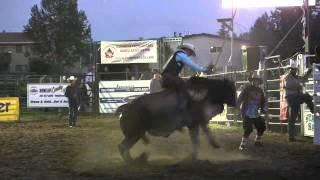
(272, 69)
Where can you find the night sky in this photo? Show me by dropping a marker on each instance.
(131, 19)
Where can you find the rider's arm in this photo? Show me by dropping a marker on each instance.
(182, 57)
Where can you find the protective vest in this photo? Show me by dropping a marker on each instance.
(173, 67)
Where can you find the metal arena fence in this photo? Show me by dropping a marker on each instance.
(271, 70)
(15, 85)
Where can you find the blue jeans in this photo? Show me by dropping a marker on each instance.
(73, 114)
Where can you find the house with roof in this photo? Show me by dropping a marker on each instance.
(214, 49)
(15, 50)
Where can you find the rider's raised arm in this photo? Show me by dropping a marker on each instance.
(186, 60)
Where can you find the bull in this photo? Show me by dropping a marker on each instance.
(159, 115)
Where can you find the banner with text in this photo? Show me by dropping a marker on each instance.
(9, 109)
(113, 94)
(47, 95)
(123, 52)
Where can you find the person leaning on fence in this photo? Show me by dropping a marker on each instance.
(73, 93)
(155, 83)
(251, 103)
(295, 97)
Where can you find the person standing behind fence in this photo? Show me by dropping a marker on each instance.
(252, 103)
(155, 84)
(73, 93)
(295, 97)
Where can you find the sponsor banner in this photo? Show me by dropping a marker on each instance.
(9, 108)
(123, 52)
(47, 95)
(113, 94)
(308, 123)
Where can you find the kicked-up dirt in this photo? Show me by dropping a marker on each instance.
(52, 150)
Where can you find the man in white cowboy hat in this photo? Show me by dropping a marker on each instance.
(73, 93)
(251, 101)
(294, 96)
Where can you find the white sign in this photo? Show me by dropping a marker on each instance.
(308, 123)
(113, 94)
(47, 95)
(260, 3)
(123, 52)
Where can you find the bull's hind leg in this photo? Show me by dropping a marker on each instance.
(145, 139)
(194, 135)
(125, 146)
(209, 135)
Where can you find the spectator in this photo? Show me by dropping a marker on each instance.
(89, 77)
(73, 93)
(155, 84)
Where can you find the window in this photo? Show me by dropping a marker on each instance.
(214, 49)
(21, 68)
(18, 48)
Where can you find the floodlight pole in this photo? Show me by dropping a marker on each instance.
(305, 23)
(233, 13)
(228, 22)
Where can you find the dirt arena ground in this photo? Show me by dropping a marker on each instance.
(48, 149)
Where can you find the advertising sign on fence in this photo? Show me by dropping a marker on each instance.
(9, 109)
(113, 94)
(308, 123)
(47, 95)
(119, 52)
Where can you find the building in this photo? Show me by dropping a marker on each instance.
(15, 50)
(216, 50)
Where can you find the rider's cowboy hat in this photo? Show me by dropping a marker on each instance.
(255, 76)
(71, 78)
(188, 46)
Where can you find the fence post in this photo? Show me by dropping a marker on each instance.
(265, 88)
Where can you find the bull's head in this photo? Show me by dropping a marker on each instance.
(214, 90)
(230, 93)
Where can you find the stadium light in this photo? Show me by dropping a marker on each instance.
(264, 3)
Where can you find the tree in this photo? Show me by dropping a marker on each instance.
(269, 30)
(223, 31)
(63, 32)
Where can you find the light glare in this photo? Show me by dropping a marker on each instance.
(263, 3)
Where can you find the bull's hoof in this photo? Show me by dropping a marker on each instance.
(124, 154)
(191, 158)
(145, 140)
(214, 145)
(141, 160)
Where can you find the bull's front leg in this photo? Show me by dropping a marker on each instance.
(194, 135)
(209, 135)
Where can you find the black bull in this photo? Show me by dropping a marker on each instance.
(159, 115)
